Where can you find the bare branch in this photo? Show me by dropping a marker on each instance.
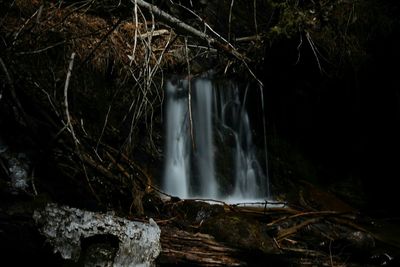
(136, 34)
(104, 127)
(315, 51)
(19, 111)
(23, 26)
(298, 49)
(226, 46)
(102, 40)
(69, 123)
(255, 16)
(41, 50)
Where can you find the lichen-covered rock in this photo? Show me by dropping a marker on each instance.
(64, 227)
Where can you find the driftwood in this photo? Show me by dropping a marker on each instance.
(184, 248)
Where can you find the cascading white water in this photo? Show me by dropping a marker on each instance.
(221, 127)
(249, 180)
(176, 177)
(203, 136)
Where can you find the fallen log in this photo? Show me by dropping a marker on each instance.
(184, 248)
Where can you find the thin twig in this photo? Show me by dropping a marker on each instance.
(39, 14)
(33, 182)
(6, 13)
(145, 86)
(314, 49)
(150, 79)
(158, 63)
(230, 20)
(49, 98)
(265, 140)
(189, 78)
(305, 214)
(294, 229)
(308, 252)
(83, 128)
(14, 94)
(248, 38)
(207, 26)
(102, 40)
(255, 16)
(345, 34)
(69, 123)
(22, 27)
(298, 49)
(276, 243)
(3, 65)
(136, 33)
(104, 127)
(40, 50)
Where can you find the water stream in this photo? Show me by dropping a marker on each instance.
(219, 159)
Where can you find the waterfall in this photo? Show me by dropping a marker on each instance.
(220, 160)
(176, 177)
(249, 179)
(203, 136)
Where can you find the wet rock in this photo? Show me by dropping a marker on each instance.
(15, 170)
(65, 227)
(18, 169)
(361, 241)
(357, 245)
(384, 259)
(17, 166)
(3, 146)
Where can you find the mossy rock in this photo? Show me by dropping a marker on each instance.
(241, 232)
(195, 211)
